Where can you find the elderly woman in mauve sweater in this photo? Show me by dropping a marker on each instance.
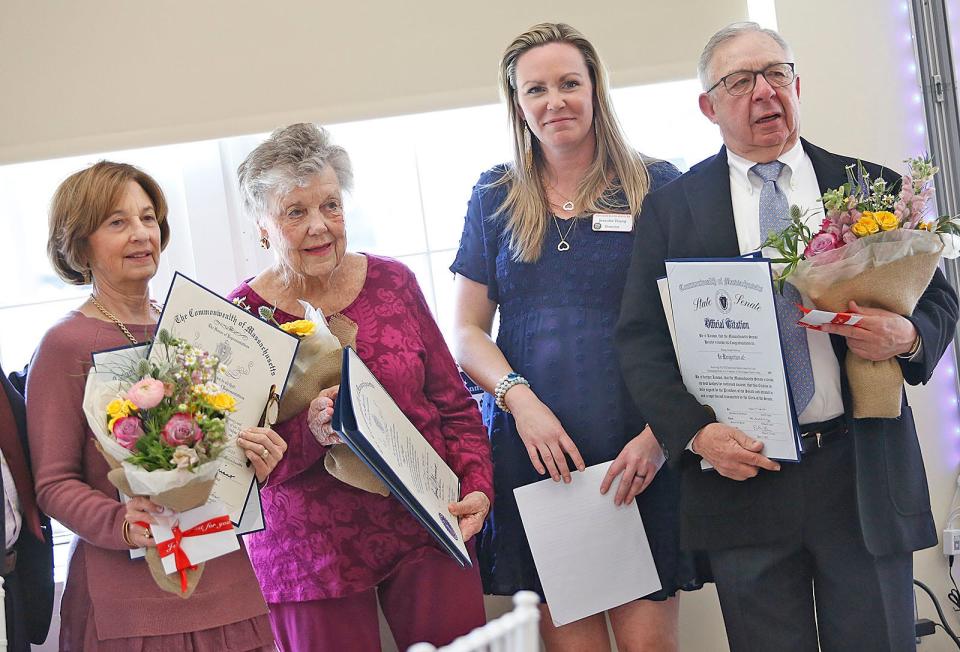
(107, 228)
(333, 550)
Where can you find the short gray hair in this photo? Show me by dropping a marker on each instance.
(286, 160)
(731, 31)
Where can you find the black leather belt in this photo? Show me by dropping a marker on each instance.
(9, 562)
(815, 436)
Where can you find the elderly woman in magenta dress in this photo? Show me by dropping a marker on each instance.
(332, 550)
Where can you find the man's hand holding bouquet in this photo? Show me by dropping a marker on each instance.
(876, 250)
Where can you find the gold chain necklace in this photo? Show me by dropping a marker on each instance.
(109, 315)
(563, 245)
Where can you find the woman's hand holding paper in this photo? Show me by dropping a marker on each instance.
(320, 417)
(542, 434)
(264, 448)
(639, 462)
(471, 511)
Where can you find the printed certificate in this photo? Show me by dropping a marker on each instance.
(256, 355)
(728, 348)
(372, 425)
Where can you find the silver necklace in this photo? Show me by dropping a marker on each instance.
(563, 245)
(568, 204)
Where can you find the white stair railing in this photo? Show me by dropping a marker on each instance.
(516, 631)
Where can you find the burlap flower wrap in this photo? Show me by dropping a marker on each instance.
(317, 367)
(178, 490)
(888, 270)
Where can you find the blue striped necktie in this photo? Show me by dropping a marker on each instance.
(774, 214)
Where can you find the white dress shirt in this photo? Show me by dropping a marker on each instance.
(11, 505)
(798, 182)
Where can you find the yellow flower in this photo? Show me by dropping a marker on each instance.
(120, 408)
(865, 225)
(112, 421)
(223, 402)
(300, 327)
(925, 226)
(886, 220)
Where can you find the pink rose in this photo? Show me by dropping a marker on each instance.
(146, 393)
(127, 430)
(181, 430)
(820, 243)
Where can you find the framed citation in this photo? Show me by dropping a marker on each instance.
(376, 430)
(728, 348)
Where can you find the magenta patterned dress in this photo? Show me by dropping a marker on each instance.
(326, 539)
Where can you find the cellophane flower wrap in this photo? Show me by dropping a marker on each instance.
(877, 246)
(316, 367)
(161, 427)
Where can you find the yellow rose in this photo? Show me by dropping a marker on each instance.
(886, 220)
(865, 226)
(925, 226)
(120, 408)
(300, 327)
(112, 421)
(223, 402)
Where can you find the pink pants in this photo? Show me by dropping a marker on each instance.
(432, 600)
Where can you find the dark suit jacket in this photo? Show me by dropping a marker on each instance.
(693, 217)
(32, 583)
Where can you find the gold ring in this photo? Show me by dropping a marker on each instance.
(264, 453)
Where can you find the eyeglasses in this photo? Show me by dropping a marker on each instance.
(742, 82)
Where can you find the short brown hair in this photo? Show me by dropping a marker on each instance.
(80, 205)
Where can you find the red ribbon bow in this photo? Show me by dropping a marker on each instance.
(173, 547)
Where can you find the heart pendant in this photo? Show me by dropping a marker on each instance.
(563, 246)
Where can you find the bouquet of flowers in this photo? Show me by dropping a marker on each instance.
(161, 428)
(317, 367)
(876, 246)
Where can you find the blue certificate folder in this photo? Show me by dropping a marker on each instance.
(719, 281)
(370, 423)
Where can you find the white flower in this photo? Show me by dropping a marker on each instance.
(184, 457)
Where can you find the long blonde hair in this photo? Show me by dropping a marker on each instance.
(615, 165)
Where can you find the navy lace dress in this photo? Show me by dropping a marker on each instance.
(557, 319)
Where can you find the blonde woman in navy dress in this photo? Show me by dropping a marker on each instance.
(556, 401)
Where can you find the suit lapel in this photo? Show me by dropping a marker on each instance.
(828, 168)
(708, 194)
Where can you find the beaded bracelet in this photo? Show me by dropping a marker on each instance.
(504, 384)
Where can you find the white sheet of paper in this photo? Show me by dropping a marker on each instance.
(255, 355)
(590, 554)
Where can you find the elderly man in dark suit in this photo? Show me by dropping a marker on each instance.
(27, 562)
(819, 551)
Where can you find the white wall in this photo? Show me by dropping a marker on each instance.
(112, 74)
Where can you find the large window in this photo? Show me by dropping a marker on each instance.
(413, 178)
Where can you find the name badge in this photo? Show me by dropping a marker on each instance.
(617, 222)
